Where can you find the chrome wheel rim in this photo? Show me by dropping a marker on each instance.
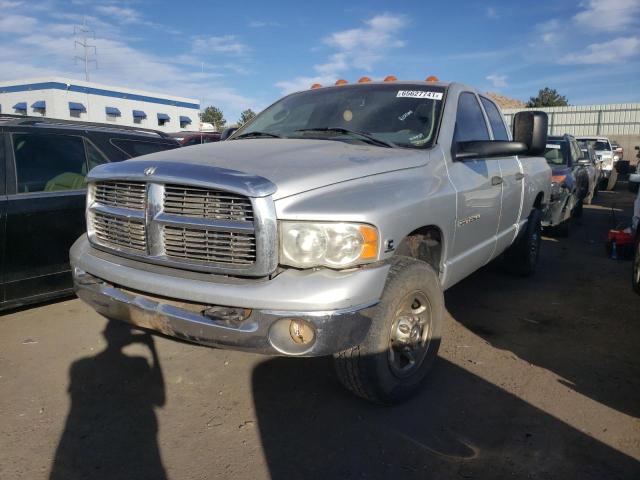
(410, 334)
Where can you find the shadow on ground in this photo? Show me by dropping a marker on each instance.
(459, 426)
(111, 430)
(577, 317)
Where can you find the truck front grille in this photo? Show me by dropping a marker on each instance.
(121, 194)
(210, 246)
(119, 231)
(199, 228)
(207, 203)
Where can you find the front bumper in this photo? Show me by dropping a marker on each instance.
(264, 326)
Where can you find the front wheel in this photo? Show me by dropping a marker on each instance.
(392, 362)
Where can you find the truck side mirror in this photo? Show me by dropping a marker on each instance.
(634, 178)
(530, 127)
(227, 132)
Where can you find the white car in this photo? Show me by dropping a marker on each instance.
(605, 155)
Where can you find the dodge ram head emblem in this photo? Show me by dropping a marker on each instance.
(149, 170)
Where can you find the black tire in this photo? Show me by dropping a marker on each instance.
(369, 370)
(522, 257)
(563, 229)
(577, 210)
(635, 271)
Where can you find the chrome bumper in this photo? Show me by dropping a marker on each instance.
(261, 331)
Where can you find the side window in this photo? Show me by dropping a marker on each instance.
(470, 123)
(49, 163)
(495, 119)
(135, 148)
(576, 153)
(94, 156)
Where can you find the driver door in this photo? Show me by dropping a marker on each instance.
(44, 212)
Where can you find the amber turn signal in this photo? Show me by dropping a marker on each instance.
(390, 78)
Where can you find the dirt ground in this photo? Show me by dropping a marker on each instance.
(537, 378)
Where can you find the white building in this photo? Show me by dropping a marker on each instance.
(68, 99)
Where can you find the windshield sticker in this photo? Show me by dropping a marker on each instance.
(404, 116)
(553, 145)
(419, 94)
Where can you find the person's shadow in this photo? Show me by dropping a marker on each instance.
(111, 430)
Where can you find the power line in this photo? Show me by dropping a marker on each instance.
(87, 57)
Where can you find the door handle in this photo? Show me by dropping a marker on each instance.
(496, 180)
(519, 176)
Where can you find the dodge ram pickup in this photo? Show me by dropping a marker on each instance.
(330, 224)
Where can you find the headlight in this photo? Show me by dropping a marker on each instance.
(334, 245)
(616, 158)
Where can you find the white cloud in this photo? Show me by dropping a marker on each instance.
(122, 14)
(44, 46)
(491, 12)
(608, 15)
(498, 81)
(8, 4)
(224, 44)
(612, 51)
(357, 48)
(14, 23)
(263, 24)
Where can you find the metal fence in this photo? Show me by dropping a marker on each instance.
(612, 119)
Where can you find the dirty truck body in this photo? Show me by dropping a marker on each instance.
(307, 245)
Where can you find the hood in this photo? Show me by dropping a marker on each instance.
(294, 166)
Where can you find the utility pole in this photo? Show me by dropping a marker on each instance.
(84, 31)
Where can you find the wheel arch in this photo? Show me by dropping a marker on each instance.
(425, 243)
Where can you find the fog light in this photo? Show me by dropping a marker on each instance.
(301, 332)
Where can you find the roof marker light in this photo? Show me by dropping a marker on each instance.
(341, 81)
(364, 80)
(316, 85)
(432, 78)
(390, 78)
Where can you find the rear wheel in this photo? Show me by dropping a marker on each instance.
(392, 362)
(522, 257)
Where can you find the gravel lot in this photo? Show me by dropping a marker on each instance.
(537, 378)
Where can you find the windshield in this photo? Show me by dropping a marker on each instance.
(595, 144)
(556, 153)
(395, 114)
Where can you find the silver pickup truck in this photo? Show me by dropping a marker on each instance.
(329, 225)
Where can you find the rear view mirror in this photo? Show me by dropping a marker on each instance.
(488, 149)
(530, 128)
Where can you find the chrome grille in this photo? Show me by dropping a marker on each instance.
(183, 226)
(130, 195)
(204, 245)
(207, 203)
(119, 231)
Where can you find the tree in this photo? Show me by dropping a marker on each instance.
(245, 116)
(214, 116)
(548, 97)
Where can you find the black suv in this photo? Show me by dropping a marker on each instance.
(43, 163)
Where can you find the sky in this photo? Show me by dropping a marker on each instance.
(239, 55)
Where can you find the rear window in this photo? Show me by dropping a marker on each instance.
(135, 148)
(557, 153)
